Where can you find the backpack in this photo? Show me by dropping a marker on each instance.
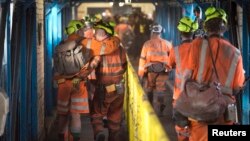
(69, 58)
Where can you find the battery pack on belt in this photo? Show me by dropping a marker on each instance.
(110, 88)
(59, 81)
(119, 88)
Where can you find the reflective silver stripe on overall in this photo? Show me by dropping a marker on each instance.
(202, 60)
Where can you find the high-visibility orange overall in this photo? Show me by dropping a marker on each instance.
(121, 28)
(230, 71)
(155, 50)
(89, 34)
(70, 99)
(178, 56)
(110, 66)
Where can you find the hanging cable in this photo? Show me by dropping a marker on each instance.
(2, 31)
(15, 70)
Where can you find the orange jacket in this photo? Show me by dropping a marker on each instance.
(112, 67)
(155, 49)
(109, 61)
(120, 29)
(89, 33)
(228, 63)
(96, 48)
(178, 56)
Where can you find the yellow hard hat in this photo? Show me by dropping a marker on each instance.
(98, 17)
(73, 26)
(107, 26)
(187, 25)
(88, 22)
(213, 12)
(123, 19)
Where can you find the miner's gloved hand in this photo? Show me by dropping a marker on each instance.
(83, 73)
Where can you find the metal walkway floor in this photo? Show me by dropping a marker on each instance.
(87, 133)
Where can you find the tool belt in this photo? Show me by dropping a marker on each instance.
(62, 80)
(157, 67)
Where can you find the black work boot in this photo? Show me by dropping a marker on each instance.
(60, 137)
(114, 135)
(150, 97)
(105, 123)
(100, 136)
(76, 136)
(162, 107)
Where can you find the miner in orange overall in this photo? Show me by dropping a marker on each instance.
(109, 62)
(177, 60)
(152, 65)
(72, 97)
(227, 60)
(89, 34)
(124, 32)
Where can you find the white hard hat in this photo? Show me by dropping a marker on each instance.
(156, 28)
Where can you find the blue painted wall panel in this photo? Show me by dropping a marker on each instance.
(8, 70)
(53, 35)
(34, 94)
(48, 65)
(23, 95)
(167, 15)
(246, 45)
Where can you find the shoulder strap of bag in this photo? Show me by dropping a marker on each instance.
(214, 60)
(78, 41)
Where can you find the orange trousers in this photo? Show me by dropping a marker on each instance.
(199, 130)
(182, 132)
(110, 105)
(71, 99)
(157, 90)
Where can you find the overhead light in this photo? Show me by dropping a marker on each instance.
(111, 3)
(156, 3)
(128, 1)
(103, 14)
(121, 4)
